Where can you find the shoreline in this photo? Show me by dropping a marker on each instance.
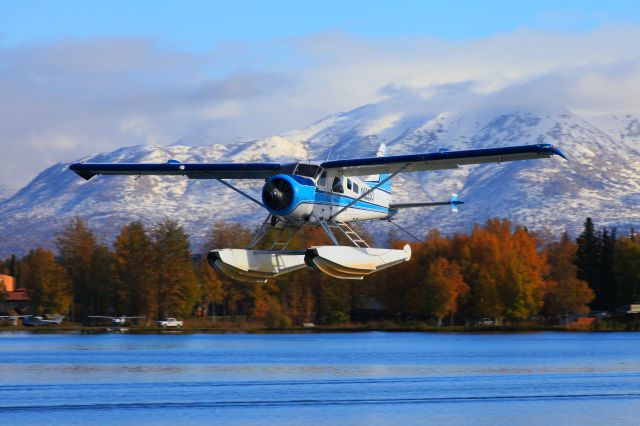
(351, 328)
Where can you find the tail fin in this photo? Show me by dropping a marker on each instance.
(373, 179)
(454, 202)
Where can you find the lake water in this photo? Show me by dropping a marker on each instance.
(333, 378)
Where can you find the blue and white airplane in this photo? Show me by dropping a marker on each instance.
(333, 194)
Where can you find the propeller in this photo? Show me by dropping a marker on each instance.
(277, 194)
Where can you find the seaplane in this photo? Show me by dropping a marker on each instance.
(121, 320)
(336, 195)
(12, 319)
(35, 320)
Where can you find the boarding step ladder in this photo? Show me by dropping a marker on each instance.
(284, 237)
(364, 232)
(351, 235)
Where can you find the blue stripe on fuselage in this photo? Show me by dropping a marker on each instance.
(341, 200)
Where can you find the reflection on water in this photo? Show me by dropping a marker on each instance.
(373, 378)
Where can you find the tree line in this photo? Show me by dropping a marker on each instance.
(497, 270)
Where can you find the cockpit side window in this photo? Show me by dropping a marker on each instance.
(349, 184)
(322, 181)
(337, 185)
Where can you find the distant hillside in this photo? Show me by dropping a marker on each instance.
(601, 179)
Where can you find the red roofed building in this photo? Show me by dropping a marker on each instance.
(7, 283)
(11, 298)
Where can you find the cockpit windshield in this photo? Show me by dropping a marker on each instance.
(307, 170)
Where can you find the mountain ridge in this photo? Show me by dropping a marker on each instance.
(600, 179)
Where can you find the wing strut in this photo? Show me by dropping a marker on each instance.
(244, 194)
(409, 233)
(367, 192)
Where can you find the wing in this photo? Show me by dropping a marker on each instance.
(439, 160)
(191, 170)
(100, 316)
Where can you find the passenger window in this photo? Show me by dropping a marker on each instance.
(349, 184)
(356, 189)
(337, 185)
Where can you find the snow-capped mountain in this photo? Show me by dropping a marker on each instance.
(601, 178)
(5, 192)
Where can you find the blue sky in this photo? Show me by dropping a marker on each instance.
(81, 77)
(198, 24)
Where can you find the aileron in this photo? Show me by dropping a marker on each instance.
(439, 160)
(192, 171)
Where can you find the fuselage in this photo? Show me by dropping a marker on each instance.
(316, 195)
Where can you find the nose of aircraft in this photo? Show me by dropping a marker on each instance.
(278, 194)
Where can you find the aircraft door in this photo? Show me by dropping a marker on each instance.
(337, 185)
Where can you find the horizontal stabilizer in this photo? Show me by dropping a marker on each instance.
(453, 202)
(410, 205)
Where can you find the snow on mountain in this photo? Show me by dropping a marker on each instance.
(5, 192)
(601, 178)
(624, 128)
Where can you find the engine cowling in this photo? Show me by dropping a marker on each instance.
(288, 195)
(278, 194)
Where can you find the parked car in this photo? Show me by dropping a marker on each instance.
(485, 321)
(169, 322)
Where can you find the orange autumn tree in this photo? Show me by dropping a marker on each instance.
(522, 290)
(503, 269)
(478, 255)
(397, 287)
(47, 282)
(232, 296)
(442, 289)
(565, 292)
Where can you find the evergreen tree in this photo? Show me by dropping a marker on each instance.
(627, 271)
(103, 282)
(76, 246)
(13, 267)
(177, 288)
(135, 288)
(607, 282)
(588, 263)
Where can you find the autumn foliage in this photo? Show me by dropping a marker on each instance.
(498, 271)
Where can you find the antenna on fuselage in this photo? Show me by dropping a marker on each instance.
(329, 153)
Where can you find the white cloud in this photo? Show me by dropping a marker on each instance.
(65, 99)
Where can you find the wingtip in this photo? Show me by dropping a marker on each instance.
(561, 154)
(556, 151)
(84, 174)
